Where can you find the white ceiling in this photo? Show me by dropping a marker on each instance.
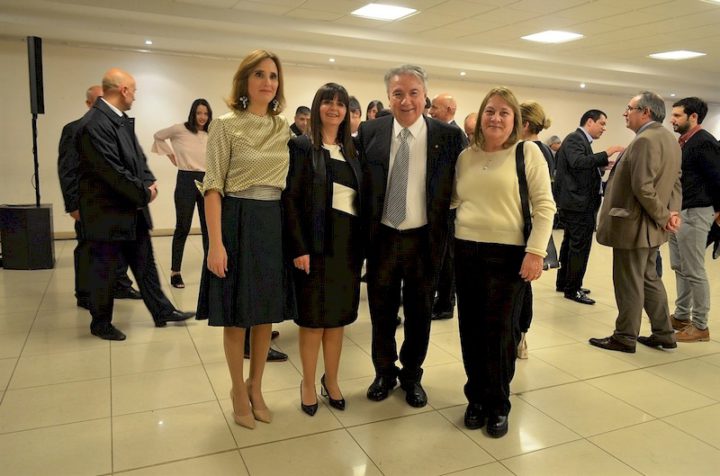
(480, 37)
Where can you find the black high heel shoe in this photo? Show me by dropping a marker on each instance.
(339, 404)
(309, 409)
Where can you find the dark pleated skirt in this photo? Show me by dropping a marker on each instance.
(257, 287)
(329, 296)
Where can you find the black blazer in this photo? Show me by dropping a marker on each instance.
(114, 176)
(68, 163)
(577, 178)
(444, 144)
(307, 198)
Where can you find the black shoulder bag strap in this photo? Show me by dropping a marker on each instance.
(524, 194)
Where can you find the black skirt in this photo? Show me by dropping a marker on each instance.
(257, 287)
(329, 296)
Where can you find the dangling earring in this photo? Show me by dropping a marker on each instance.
(274, 105)
(244, 101)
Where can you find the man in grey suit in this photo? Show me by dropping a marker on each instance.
(641, 206)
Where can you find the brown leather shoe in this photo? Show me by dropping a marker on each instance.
(678, 324)
(693, 334)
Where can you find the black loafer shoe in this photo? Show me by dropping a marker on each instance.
(380, 388)
(442, 315)
(274, 335)
(610, 343)
(497, 426)
(175, 316)
(415, 395)
(273, 355)
(580, 297)
(107, 331)
(474, 416)
(127, 293)
(654, 342)
(561, 290)
(276, 356)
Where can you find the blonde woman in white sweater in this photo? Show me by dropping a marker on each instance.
(493, 259)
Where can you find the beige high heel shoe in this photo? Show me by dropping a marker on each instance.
(261, 414)
(247, 421)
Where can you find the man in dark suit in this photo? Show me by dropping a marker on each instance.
(578, 180)
(302, 121)
(115, 189)
(408, 169)
(68, 162)
(443, 108)
(641, 206)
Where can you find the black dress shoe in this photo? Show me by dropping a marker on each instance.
(579, 296)
(654, 342)
(474, 416)
(585, 290)
(273, 355)
(610, 343)
(497, 425)
(415, 395)
(127, 293)
(107, 331)
(175, 316)
(274, 335)
(380, 388)
(176, 281)
(442, 315)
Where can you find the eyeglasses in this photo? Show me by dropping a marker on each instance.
(629, 108)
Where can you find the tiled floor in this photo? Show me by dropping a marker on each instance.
(157, 404)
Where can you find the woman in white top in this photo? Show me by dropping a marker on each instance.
(494, 259)
(188, 144)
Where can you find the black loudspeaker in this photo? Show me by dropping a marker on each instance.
(37, 96)
(26, 232)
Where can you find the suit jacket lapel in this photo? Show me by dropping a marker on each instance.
(433, 152)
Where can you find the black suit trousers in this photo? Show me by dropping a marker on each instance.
(82, 268)
(491, 296)
(187, 197)
(575, 249)
(446, 281)
(106, 257)
(400, 259)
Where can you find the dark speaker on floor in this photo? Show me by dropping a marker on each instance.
(26, 233)
(37, 96)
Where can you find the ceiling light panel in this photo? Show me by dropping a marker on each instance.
(379, 11)
(553, 36)
(676, 55)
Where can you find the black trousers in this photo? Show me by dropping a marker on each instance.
(187, 197)
(575, 249)
(490, 297)
(82, 268)
(446, 281)
(403, 257)
(106, 256)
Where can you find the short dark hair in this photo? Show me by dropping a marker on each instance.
(693, 105)
(330, 91)
(302, 110)
(593, 114)
(355, 105)
(383, 113)
(191, 123)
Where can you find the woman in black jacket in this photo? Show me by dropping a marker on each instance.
(321, 209)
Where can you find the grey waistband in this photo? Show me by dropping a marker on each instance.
(258, 192)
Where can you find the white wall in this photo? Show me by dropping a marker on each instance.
(167, 84)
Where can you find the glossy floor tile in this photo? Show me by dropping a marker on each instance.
(157, 403)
